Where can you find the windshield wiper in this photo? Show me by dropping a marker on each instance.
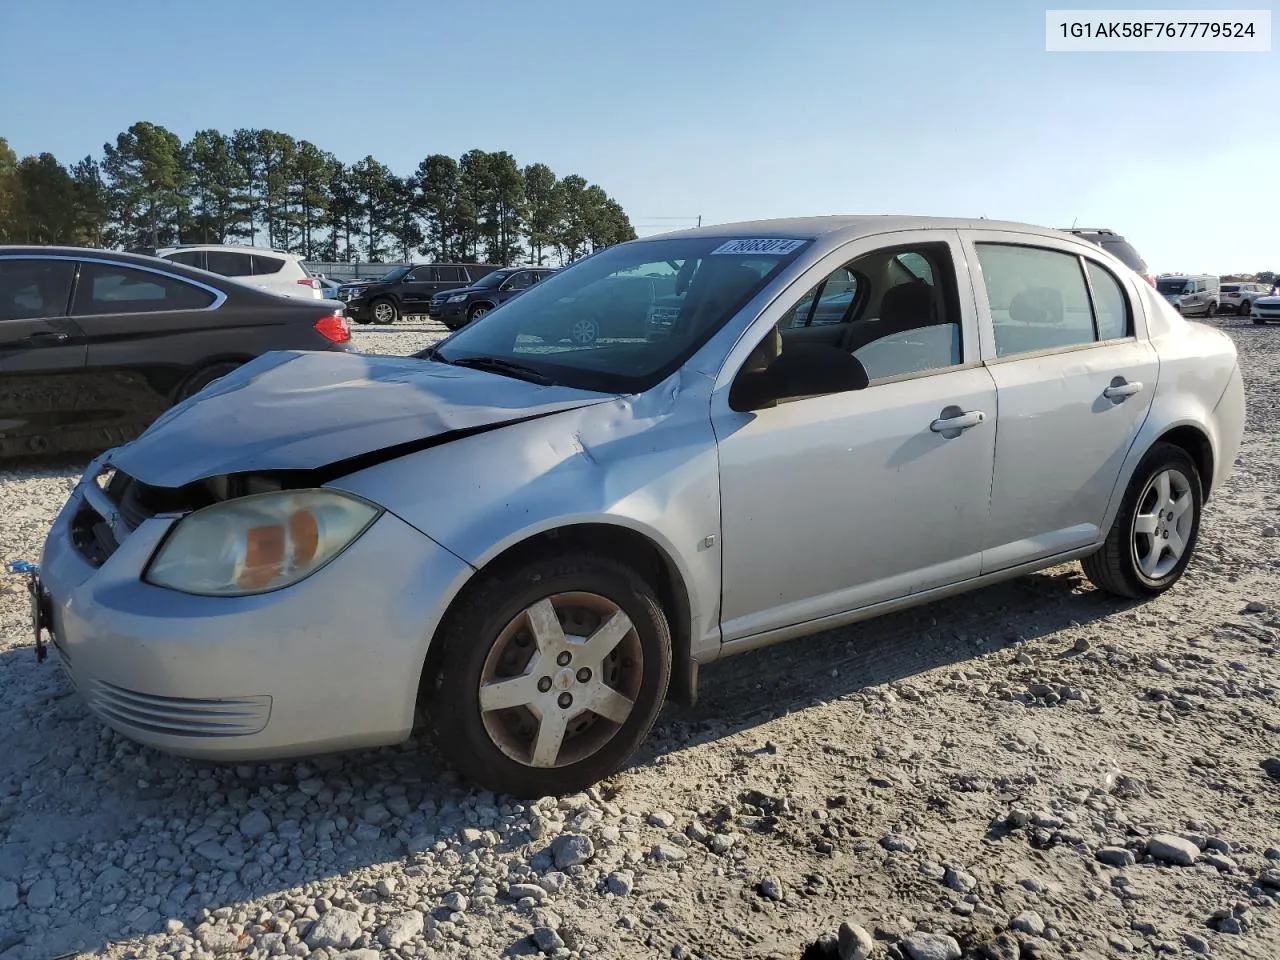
(506, 368)
(431, 353)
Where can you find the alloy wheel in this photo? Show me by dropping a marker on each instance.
(384, 312)
(1163, 523)
(584, 332)
(561, 679)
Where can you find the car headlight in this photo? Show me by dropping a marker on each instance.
(457, 299)
(258, 543)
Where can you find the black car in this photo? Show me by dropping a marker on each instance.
(94, 344)
(406, 289)
(457, 308)
(1117, 246)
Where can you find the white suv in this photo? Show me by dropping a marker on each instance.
(270, 270)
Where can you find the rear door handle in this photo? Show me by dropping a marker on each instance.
(48, 338)
(954, 420)
(1121, 388)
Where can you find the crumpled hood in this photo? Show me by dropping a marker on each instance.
(294, 410)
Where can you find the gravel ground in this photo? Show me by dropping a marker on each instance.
(1033, 770)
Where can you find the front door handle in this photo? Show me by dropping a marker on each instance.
(953, 420)
(1121, 388)
(47, 338)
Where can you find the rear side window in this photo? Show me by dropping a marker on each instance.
(188, 258)
(35, 289)
(230, 263)
(1038, 298)
(263, 264)
(450, 275)
(1110, 305)
(106, 288)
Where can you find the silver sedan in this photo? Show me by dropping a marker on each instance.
(530, 542)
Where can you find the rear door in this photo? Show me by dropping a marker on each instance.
(1075, 377)
(42, 356)
(148, 331)
(451, 277)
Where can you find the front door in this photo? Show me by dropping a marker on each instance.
(1074, 382)
(834, 502)
(42, 356)
(417, 289)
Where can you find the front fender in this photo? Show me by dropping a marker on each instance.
(647, 463)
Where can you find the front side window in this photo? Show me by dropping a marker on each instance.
(1037, 297)
(35, 289)
(626, 317)
(518, 281)
(107, 288)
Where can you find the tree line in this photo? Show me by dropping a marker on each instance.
(149, 189)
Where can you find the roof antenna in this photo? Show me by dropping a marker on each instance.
(1073, 222)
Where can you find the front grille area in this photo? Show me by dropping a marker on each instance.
(113, 507)
(179, 716)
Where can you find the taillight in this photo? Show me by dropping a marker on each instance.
(1149, 278)
(334, 327)
(311, 282)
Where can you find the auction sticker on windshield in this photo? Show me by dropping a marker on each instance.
(759, 246)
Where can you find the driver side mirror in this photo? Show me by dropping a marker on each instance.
(801, 370)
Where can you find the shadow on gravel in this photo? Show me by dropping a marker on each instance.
(101, 820)
(748, 690)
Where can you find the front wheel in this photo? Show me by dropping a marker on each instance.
(1154, 534)
(584, 332)
(384, 311)
(476, 312)
(549, 675)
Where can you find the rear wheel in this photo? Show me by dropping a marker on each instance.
(202, 378)
(1154, 534)
(548, 676)
(384, 311)
(1211, 309)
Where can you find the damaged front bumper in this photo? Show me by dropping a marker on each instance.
(329, 663)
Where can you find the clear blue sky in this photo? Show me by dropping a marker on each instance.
(731, 109)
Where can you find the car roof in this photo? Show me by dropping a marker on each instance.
(53, 251)
(234, 247)
(847, 227)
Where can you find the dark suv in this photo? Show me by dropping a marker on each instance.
(456, 308)
(406, 290)
(1117, 246)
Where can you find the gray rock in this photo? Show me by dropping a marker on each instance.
(1270, 878)
(1196, 943)
(660, 818)
(42, 894)
(931, 946)
(771, 889)
(220, 940)
(376, 814)
(367, 833)
(454, 902)
(547, 940)
(358, 955)
(1271, 767)
(1120, 944)
(722, 843)
(854, 943)
(620, 883)
(1116, 857)
(960, 880)
(255, 824)
(1255, 606)
(667, 852)
(572, 850)
(1173, 849)
(337, 928)
(1029, 922)
(1221, 862)
(401, 930)
(897, 844)
(1230, 925)
(387, 888)
(8, 895)
(518, 891)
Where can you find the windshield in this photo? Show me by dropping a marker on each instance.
(1171, 286)
(626, 317)
(394, 274)
(492, 279)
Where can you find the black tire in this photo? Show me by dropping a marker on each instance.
(478, 311)
(202, 378)
(1211, 309)
(1115, 567)
(389, 305)
(365, 320)
(450, 690)
(1243, 309)
(1258, 321)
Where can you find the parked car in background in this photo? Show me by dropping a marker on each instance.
(1266, 310)
(1239, 297)
(407, 289)
(458, 307)
(1117, 246)
(272, 270)
(329, 288)
(536, 544)
(1192, 296)
(94, 345)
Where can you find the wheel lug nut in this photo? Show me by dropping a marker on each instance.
(584, 675)
(566, 700)
(544, 684)
(564, 658)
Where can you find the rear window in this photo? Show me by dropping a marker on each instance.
(263, 264)
(1231, 288)
(1122, 251)
(1173, 286)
